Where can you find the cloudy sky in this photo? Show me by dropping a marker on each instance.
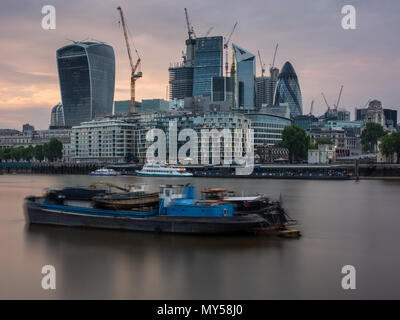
(366, 60)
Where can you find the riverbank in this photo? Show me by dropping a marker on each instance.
(260, 171)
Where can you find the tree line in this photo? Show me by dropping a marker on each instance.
(51, 151)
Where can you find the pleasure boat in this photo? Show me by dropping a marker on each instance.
(104, 172)
(162, 170)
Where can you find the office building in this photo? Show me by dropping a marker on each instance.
(208, 61)
(57, 117)
(305, 121)
(243, 74)
(123, 107)
(288, 90)
(265, 89)
(390, 116)
(267, 128)
(28, 129)
(180, 81)
(86, 73)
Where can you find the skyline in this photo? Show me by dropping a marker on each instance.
(309, 34)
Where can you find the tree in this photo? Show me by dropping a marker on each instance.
(39, 152)
(370, 136)
(390, 145)
(53, 150)
(324, 141)
(296, 140)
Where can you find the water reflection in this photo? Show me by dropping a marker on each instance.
(109, 263)
(343, 222)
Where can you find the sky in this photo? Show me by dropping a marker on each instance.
(325, 56)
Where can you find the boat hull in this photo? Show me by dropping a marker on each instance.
(163, 175)
(37, 214)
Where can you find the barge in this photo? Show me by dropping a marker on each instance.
(177, 211)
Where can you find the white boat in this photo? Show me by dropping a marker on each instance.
(162, 170)
(104, 172)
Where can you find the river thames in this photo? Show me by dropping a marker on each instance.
(343, 223)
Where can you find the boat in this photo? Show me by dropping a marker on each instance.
(162, 170)
(104, 172)
(271, 210)
(177, 212)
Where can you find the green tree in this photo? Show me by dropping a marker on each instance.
(296, 140)
(390, 145)
(53, 150)
(7, 154)
(16, 153)
(370, 136)
(324, 141)
(39, 152)
(29, 153)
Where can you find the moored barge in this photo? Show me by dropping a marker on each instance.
(177, 212)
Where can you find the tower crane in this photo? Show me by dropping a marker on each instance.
(312, 107)
(208, 32)
(135, 68)
(326, 102)
(191, 33)
(273, 60)
(262, 64)
(338, 100)
(226, 48)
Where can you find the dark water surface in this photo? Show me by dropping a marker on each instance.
(343, 222)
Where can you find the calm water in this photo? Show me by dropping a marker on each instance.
(343, 222)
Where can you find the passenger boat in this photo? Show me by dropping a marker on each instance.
(162, 170)
(104, 172)
(177, 211)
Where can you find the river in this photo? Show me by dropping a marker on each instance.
(343, 223)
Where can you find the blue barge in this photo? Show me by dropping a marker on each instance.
(177, 211)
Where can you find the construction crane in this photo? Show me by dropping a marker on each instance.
(208, 32)
(262, 64)
(273, 60)
(338, 100)
(135, 68)
(226, 48)
(312, 107)
(191, 33)
(326, 102)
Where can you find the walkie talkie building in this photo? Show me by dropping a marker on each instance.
(86, 72)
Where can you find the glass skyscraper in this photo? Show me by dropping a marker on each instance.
(244, 70)
(208, 55)
(288, 90)
(86, 72)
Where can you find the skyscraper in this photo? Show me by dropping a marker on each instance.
(180, 81)
(86, 72)
(244, 69)
(57, 117)
(288, 90)
(208, 61)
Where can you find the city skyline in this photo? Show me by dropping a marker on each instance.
(309, 34)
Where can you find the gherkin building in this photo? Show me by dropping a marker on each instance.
(288, 90)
